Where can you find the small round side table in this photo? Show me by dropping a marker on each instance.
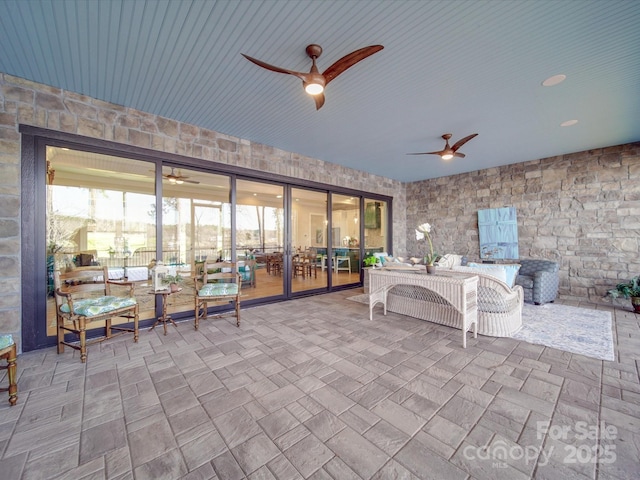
(165, 317)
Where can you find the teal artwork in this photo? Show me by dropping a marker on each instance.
(498, 232)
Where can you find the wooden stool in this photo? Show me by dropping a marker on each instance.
(8, 352)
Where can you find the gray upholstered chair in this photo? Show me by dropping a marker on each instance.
(539, 279)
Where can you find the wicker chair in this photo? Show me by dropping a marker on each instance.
(539, 280)
(499, 307)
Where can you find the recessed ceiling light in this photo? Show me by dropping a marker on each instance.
(569, 123)
(555, 80)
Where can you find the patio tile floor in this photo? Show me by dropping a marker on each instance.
(312, 389)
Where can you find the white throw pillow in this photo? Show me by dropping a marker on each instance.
(450, 260)
(492, 269)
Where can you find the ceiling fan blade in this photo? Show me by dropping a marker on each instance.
(426, 153)
(459, 143)
(189, 181)
(273, 68)
(348, 61)
(461, 155)
(319, 99)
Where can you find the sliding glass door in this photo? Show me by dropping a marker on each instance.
(345, 239)
(196, 226)
(260, 238)
(309, 240)
(100, 210)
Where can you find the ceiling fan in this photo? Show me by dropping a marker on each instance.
(314, 82)
(447, 153)
(177, 178)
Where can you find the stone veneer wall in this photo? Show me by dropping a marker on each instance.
(581, 209)
(30, 103)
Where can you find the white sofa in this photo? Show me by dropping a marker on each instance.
(499, 306)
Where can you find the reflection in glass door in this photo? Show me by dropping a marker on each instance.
(309, 240)
(375, 226)
(345, 238)
(260, 238)
(375, 223)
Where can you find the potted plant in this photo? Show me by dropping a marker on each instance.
(369, 261)
(173, 281)
(630, 289)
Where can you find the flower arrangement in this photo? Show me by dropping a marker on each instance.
(424, 231)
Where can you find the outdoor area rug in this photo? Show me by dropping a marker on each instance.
(571, 329)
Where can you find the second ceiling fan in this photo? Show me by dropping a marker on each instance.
(447, 153)
(314, 82)
(178, 178)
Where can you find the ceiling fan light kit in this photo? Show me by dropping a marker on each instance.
(315, 82)
(314, 88)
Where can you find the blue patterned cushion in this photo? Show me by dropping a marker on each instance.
(5, 341)
(524, 281)
(213, 289)
(90, 307)
(539, 279)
